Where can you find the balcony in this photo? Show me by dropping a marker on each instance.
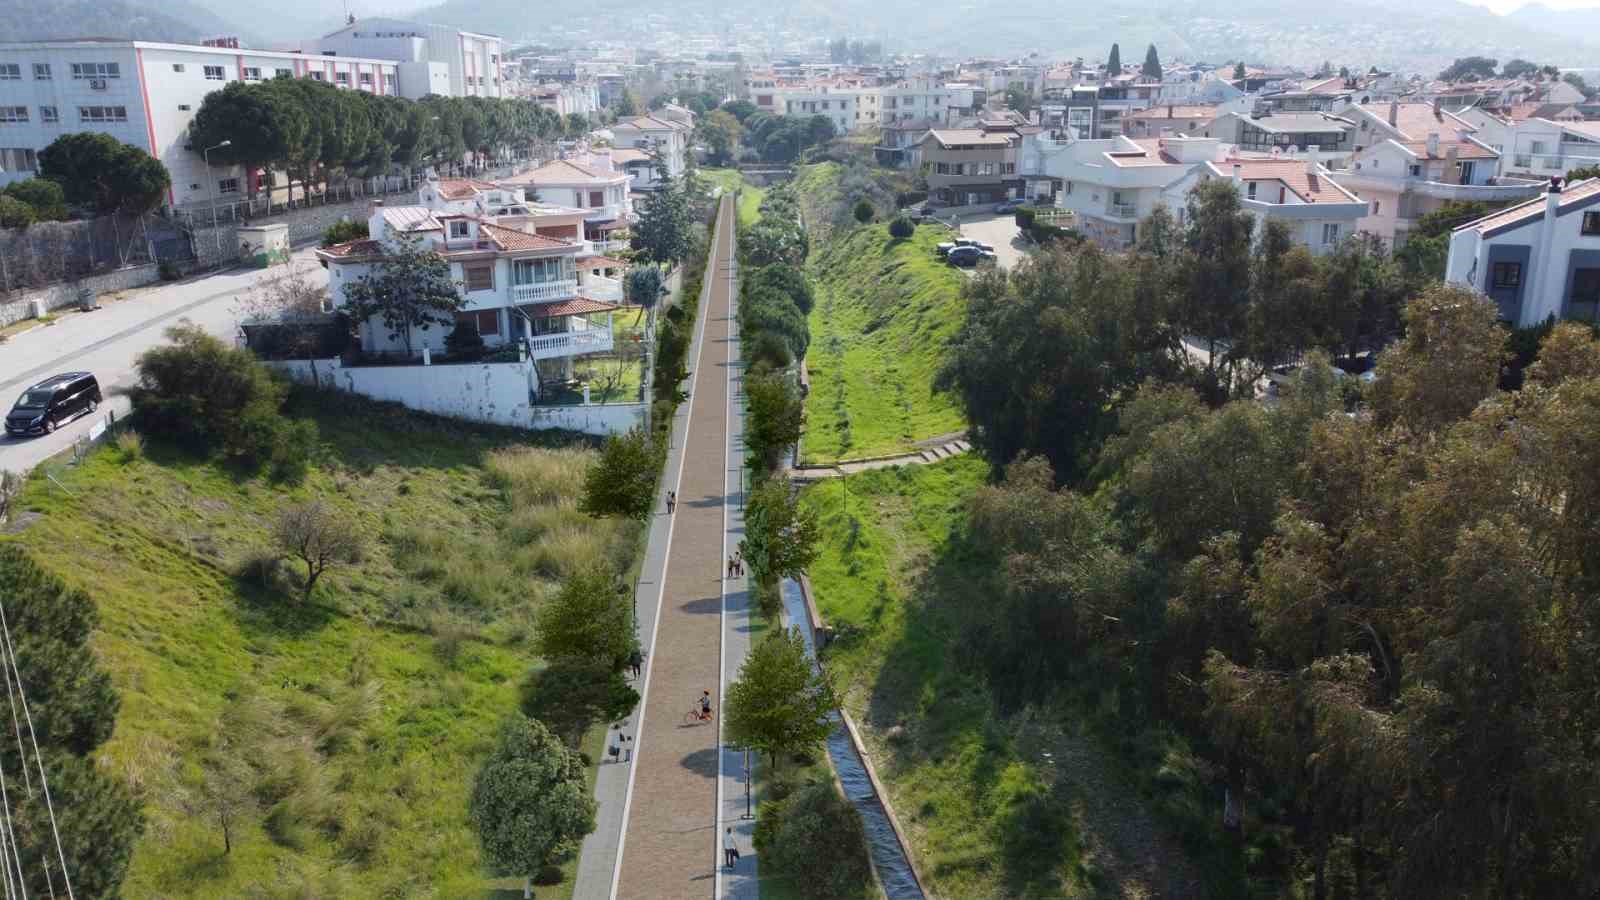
(544, 291)
(1122, 210)
(571, 343)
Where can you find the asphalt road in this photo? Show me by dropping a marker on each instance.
(107, 343)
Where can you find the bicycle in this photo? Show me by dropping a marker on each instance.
(693, 717)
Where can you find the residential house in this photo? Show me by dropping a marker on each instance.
(1536, 147)
(1169, 120)
(900, 142)
(592, 184)
(1301, 193)
(1329, 95)
(1403, 121)
(1112, 185)
(968, 166)
(1537, 260)
(1287, 133)
(654, 135)
(1405, 180)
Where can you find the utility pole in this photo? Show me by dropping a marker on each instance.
(211, 194)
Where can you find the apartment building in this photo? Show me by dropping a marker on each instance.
(1537, 260)
(1405, 180)
(1537, 147)
(470, 61)
(145, 94)
(1301, 193)
(968, 166)
(567, 98)
(839, 104)
(1287, 133)
(1170, 120)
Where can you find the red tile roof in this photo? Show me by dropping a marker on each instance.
(565, 171)
(461, 189)
(1150, 153)
(580, 306)
(1464, 150)
(1292, 174)
(512, 239)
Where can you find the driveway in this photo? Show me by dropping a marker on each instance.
(999, 232)
(107, 342)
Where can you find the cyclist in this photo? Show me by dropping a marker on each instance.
(705, 705)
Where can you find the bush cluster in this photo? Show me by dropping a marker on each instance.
(816, 837)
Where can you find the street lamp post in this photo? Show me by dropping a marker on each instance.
(211, 194)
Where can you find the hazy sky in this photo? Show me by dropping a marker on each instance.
(1505, 6)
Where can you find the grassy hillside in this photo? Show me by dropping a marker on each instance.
(749, 201)
(361, 715)
(884, 313)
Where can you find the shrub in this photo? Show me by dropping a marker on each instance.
(14, 213)
(464, 342)
(863, 211)
(341, 232)
(815, 837)
(168, 271)
(902, 228)
(44, 197)
(623, 481)
(130, 445)
(768, 352)
(318, 536)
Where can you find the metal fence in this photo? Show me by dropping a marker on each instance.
(48, 253)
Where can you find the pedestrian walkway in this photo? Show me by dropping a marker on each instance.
(670, 844)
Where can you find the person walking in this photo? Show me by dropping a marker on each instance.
(672, 502)
(730, 848)
(738, 564)
(730, 567)
(635, 661)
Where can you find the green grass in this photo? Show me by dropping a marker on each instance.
(886, 309)
(749, 200)
(955, 772)
(367, 710)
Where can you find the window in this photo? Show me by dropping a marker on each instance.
(282, 73)
(1585, 301)
(41, 71)
(227, 185)
(366, 78)
(10, 72)
(1416, 171)
(1505, 275)
(317, 76)
(1250, 190)
(96, 70)
(459, 229)
(177, 67)
(19, 159)
(183, 107)
(597, 199)
(13, 114)
(479, 276)
(214, 73)
(1330, 233)
(49, 114)
(1008, 168)
(252, 73)
(486, 321)
(341, 77)
(1591, 223)
(102, 114)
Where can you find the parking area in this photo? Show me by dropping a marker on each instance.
(999, 232)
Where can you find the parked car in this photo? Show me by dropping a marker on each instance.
(53, 402)
(1006, 206)
(945, 248)
(967, 257)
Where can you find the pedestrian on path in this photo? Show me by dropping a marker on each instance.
(730, 848)
(730, 567)
(738, 564)
(635, 660)
(672, 502)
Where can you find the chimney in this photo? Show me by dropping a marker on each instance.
(1238, 175)
(1450, 171)
(1433, 144)
(1394, 112)
(1436, 104)
(1313, 159)
(1552, 199)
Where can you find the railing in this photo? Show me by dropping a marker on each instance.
(570, 343)
(1123, 210)
(544, 290)
(609, 246)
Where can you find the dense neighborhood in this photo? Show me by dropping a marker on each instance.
(777, 462)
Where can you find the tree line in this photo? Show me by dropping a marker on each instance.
(1370, 609)
(314, 131)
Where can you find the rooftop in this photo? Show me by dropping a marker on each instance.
(462, 189)
(1174, 112)
(410, 218)
(1464, 150)
(1150, 153)
(969, 137)
(565, 171)
(1291, 173)
(578, 306)
(1534, 208)
(1297, 122)
(1417, 120)
(512, 239)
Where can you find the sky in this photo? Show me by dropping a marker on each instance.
(1504, 6)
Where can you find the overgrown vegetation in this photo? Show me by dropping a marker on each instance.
(814, 839)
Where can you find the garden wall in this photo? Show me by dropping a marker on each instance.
(57, 296)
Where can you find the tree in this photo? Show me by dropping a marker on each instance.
(15, 213)
(662, 234)
(1285, 316)
(1469, 67)
(815, 823)
(225, 793)
(720, 132)
(622, 482)
(45, 198)
(409, 288)
(1238, 71)
(627, 104)
(863, 211)
(1583, 172)
(1448, 363)
(780, 537)
(529, 800)
(318, 536)
(1518, 68)
(1215, 291)
(1018, 100)
(1114, 62)
(781, 703)
(1576, 80)
(344, 232)
(262, 125)
(740, 109)
(98, 171)
(776, 416)
(1151, 69)
(587, 621)
(902, 228)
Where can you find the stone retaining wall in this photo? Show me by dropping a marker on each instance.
(64, 294)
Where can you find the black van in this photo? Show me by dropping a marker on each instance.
(53, 402)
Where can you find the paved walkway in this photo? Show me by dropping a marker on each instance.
(670, 845)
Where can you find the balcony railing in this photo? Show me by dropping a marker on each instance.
(543, 291)
(1123, 210)
(571, 343)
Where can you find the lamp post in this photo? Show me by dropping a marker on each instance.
(211, 193)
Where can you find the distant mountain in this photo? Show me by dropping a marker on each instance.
(1538, 17)
(284, 22)
(150, 20)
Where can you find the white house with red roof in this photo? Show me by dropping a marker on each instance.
(591, 183)
(653, 137)
(1537, 260)
(1301, 193)
(1112, 185)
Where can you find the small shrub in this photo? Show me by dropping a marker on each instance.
(130, 445)
(863, 211)
(816, 838)
(902, 228)
(547, 876)
(464, 342)
(168, 271)
(341, 232)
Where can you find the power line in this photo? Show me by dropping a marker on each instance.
(9, 835)
(11, 651)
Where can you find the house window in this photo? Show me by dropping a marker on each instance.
(10, 72)
(1505, 275)
(49, 114)
(214, 73)
(1585, 301)
(41, 72)
(341, 77)
(479, 276)
(1008, 168)
(102, 114)
(1591, 223)
(1330, 232)
(459, 229)
(13, 114)
(227, 185)
(183, 107)
(1416, 171)
(597, 199)
(317, 76)
(366, 78)
(19, 159)
(1069, 189)
(96, 70)
(282, 73)
(252, 73)
(177, 67)
(1250, 190)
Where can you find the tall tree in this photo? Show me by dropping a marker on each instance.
(262, 127)
(1152, 64)
(587, 621)
(98, 171)
(1215, 292)
(408, 289)
(529, 799)
(781, 703)
(1114, 62)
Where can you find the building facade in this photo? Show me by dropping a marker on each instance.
(470, 61)
(970, 166)
(1537, 260)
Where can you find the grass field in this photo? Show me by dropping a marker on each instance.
(885, 311)
(362, 714)
(749, 200)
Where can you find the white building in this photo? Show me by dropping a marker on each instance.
(1301, 193)
(1406, 180)
(1111, 185)
(592, 184)
(145, 94)
(1537, 147)
(581, 97)
(1537, 260)
(469, 62)
(655, 136)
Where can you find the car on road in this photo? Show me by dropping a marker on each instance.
(1006, 206)
(54, 402)
(968, 256)
(945, 248)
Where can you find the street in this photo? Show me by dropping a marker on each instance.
(107, 343)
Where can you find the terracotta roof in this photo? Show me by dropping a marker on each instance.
(650, 123)
(1417, 120)
(600, 262)
(1532, 209)
(625, 155)
(363, 247)
(579, 306)
(461, 189)
(512, 239)
(565, 171)
(1334, 85)
(1292, 174)
(1174, 112)
(1464, 150)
